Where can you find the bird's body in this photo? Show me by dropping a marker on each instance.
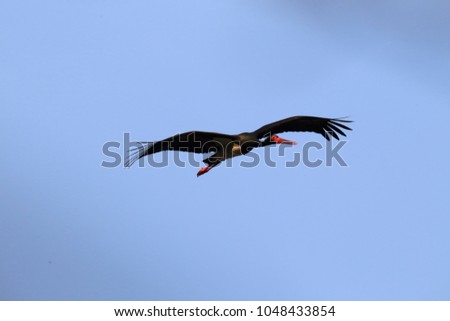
(227, 146)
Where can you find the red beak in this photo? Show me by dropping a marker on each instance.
(280, 140)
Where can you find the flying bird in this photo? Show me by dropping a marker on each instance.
(227, 146)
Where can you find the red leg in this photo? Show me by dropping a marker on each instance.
(204, 170)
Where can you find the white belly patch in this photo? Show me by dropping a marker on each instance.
(236, 151)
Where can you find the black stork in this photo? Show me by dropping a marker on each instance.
(227, 146)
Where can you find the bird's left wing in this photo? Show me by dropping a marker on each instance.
(193, 142)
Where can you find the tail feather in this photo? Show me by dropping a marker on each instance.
(139, 150)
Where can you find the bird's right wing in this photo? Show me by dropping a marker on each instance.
(327, 127)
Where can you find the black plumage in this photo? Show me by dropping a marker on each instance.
(226, 146)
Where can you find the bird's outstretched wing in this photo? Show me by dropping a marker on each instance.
(327, 127)
(193, 142)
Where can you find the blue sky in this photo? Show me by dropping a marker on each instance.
(77, 74)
